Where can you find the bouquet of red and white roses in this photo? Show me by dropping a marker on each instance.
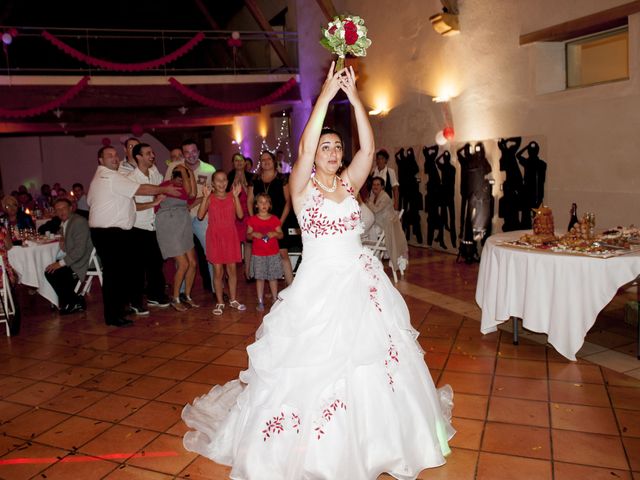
(346, 35)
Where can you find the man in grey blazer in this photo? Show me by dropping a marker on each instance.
(64, 274)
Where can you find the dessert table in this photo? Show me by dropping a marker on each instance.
(29, 263)
(553, 293)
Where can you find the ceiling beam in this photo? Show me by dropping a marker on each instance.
(328, 9)
(596, 22)
(275, 42)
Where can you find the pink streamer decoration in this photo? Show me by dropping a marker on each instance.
(123, 67)
(208, 102)
(46, 107)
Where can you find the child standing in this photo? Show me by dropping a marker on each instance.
(265, 230)
(223, 244)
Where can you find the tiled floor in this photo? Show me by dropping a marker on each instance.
(79, 400)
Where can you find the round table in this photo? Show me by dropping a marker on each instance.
(553, 293)
(29, 263)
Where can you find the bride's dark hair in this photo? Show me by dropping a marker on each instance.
(329, 130)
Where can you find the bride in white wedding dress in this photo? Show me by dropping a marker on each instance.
(336, 388)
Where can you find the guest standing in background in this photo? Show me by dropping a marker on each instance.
(245, 179)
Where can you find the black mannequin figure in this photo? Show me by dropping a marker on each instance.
(413, 199)
(510, 207)
(465, 155)
(447, 204)
(433, 197)
(535, 171)
(481, 201)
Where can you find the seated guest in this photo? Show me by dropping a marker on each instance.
(16, 217)
(5, 246)
(44, 200)
(82, 207)
(387, 219)
(25, 201)
(50, 226)
(64, 274)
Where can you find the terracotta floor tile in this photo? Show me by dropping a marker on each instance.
(119, 439)
(233, 358)
(578, 393)
(37, 393)
(619, 379)
(574, 372)
(113, 408)
(15, 364)
(588, 449)
(178, 429)
(470, 406)
(466, 382)
(518, 411)
(436, 360)
(128, 472)
(107, 359)
(8, 444)
(134, 346)
(470, 364)
(73, 400)
(105, 342)
(32, 423)
(176, 369)
(433, 344)
(239, 329)
(632, 447)
(77, 356)
(521, 368)
(204, 469)
(184, 392)
(468, 433)
(224, 341)
(9, 410)
(515, 387)
(201, 354)
(625, 397)
(25, 470)
(42, 370)
(461, 465)
(157, 416)
(11, 385)
(493, 466)
(475, 348)
(74, 376)
(583, 418)
(148, 387)
(438, 331)
(110, 381)
(164, 444)
(569, 471)
(507, 349)
(518, 440)
(140, 364)
(78, 467)
(167, 350)
(629, 421)
(73, 432)
(215, 374)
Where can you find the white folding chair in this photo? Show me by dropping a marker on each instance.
(379, 249)
(95, 270)
(7, 308)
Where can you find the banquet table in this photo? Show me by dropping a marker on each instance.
(553, 293)
(29, 263)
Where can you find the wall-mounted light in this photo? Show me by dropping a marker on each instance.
(445, 24)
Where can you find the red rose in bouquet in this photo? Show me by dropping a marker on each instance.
(346, 35)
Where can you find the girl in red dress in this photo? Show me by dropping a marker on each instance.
(264, 230)
(223, 244)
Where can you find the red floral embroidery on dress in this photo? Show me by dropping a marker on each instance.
(391, 362)
(278, 424)
(327, 414)
(370, 267)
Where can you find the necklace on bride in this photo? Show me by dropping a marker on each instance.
(330, 189)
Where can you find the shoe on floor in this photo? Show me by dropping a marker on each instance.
(189, 301)
(178, 306)
(140, 310)
(219, 309)
(260, 307)
(237, 305)
(159, 303)
(120, 322)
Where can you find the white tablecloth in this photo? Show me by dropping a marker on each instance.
(30, 262)
(560, 295)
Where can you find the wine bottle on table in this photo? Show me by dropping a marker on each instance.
(574, 216)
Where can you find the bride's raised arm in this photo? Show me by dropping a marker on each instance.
(362, 162)
(302, 168)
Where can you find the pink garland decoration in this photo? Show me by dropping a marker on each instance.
(123, 67)
(186, 91)
(46, 107)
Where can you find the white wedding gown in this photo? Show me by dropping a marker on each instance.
(337, 387)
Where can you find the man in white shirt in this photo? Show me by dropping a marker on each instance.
(203, 172)
(64, 274)
(389, 176)
(148, 271)
(112, 214)
(128, 165)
